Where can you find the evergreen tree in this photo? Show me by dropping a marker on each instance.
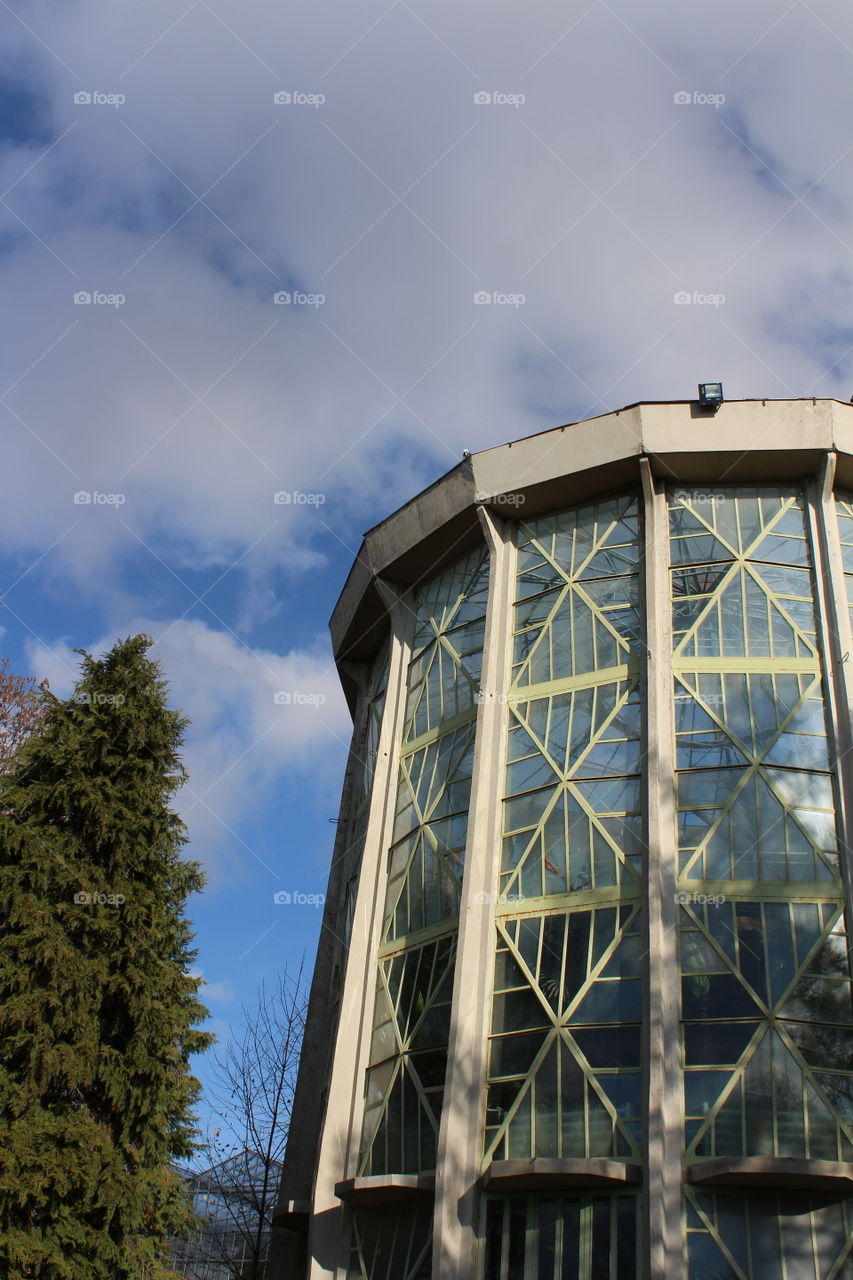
(97, 1008)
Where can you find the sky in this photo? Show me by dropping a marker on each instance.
(313, 252)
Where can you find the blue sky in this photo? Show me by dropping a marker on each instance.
(646, 198)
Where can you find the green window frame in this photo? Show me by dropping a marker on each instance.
(766, 1012)
(404, 1083)
(565, 1075)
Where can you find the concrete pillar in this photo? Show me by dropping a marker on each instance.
(460, 1143)
(837, 643)
(662, 1060)
(338, 1156)
(307, 1114)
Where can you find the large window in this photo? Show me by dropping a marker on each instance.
(766, 999)
(392, 1244)
(737, 1237)
(554, 1237)
(408, 1055)
(564, 1072)
(767, 1020)
(373, 707)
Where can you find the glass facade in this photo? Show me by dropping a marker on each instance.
(408, 1052)
(553, 1237)
(598, 730)
(374, 705)
(767, 1021)
(565, 1078)
(392, 1244)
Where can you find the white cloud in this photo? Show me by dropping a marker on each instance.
(598, 199)
(216, 992)
(241, 744)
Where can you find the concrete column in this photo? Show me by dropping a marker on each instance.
(307, 1115)
(837, 644)
(661, 1050)
(460, 1142)
(338, 1155)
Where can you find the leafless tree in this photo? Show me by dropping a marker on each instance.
(254, 1080)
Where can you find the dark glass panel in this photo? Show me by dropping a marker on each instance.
(722, 1042)
(716, 995)
(610, 1046)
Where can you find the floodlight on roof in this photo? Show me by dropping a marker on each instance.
(711, 394)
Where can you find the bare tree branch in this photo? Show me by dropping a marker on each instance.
(254, 1080)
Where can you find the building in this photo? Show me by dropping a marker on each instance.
(232, 1200)
(582, 1004)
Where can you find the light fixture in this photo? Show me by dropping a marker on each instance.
(711, 394)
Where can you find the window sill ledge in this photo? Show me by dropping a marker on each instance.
(386, 1188)
(772, 1171)
(538, 1174)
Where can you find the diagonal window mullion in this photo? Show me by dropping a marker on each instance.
(747, 774)
(593, 1082)
(593, 972)
(551, 1036)
(535, 833)
(844, 1125)
(737, 1075)
(772, 596)
(713, 602)
(564, 774)
(544, 636)
(711, 1228)
(731, 965)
